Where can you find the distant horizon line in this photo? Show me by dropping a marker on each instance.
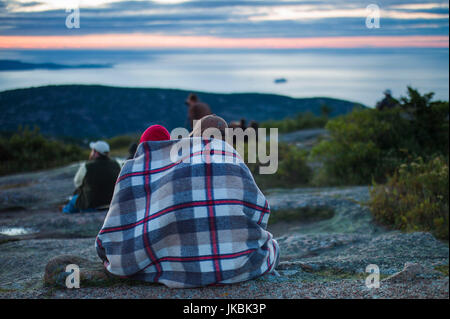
(148, 41)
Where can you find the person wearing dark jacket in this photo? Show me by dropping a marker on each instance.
(388, 102)
(94, 181)
(196, 109)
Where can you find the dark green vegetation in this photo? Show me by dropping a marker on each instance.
(90, 111)
(28, 150)
(403, 151)
(293, 170)
(300, 122)
(443, 269)
(415, 198)
(6, 239)
(368, 144)
(14, 65)
(120, 144)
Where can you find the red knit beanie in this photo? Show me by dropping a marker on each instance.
(155, 133)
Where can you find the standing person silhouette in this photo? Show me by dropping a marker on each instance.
(196, 109)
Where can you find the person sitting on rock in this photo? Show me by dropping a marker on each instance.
(189, 217)
(94, 181)
(196, 109)
(388, 102)
(155, 133)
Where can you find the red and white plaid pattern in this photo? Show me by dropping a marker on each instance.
(187, 224)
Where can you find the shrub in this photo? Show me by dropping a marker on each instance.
(120, 144)
(415, 198)
(301, 121)
(28, 150)
(429, 119)
(371, 144)
(362, 146)
(292, 170)
(122, 141)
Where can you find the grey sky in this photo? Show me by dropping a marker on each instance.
(230, 18)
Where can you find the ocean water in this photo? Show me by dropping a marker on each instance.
(359, 75)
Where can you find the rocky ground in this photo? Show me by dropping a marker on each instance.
(321, 259)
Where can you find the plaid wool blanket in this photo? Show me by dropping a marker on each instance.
(187, 217)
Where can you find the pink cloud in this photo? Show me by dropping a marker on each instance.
(144, 41)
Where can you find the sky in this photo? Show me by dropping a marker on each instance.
(281, 24)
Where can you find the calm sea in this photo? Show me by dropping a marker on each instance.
(359, 75)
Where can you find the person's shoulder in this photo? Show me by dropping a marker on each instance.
(89, 163)
(200, 105)
(95, 161)
(111, 160)
(115, 163)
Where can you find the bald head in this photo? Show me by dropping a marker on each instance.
(209, 122)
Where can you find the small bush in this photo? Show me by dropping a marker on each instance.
(120, 145)
(293, 170)
(415, 198)
(122, 141)
(300, 122)
(28, 150)
(365, 144)
(371, 144)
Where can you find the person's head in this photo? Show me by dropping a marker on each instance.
(209, 121)
(132, 150)
(155, 133)
(98, 149)
(388, 92)
(191, 100)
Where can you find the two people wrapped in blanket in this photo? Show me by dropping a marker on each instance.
(187, 213)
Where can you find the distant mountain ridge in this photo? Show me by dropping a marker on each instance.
(95, 111)
(15, 65)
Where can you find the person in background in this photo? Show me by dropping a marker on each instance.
(155, 133)
(196, 109)
(239, 124)
(255, 125)
(94, 181)
(187, 224)
(388, 102)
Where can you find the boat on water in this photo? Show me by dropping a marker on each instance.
(280, 81)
